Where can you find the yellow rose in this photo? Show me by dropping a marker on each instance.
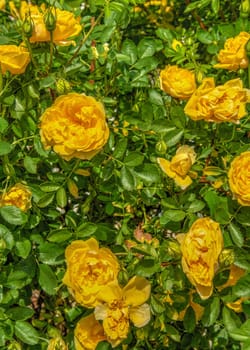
(89, 269)
(2, 5)
(233, 56)
(88, 333)
(177, 82)
(14, 59)
(180, 165)
(57, 344)
(67, 25)
(18, 195)
(75, 126)
(200, 248)
(223, 103)
(239, 180)
(120, 306)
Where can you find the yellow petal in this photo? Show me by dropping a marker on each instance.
(137, 291)
(204, 291)
(140, 315)
(101, 312)
(183, 182)
(110, 292)
(165, 167)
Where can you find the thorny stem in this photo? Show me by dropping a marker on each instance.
(84, 39)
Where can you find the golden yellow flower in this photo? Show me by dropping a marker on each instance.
(18, 195)
(179, 166)
(223, 103)
(57, 344)
(14, 59)
(233, 56)
(200, 248)
(177, 82)
(239, 179)
(89, 269)
(75, 126)
(2, 5)
(120, 306)
(88, 333)
(236, 305)
(67, 25)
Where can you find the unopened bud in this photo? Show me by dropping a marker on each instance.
(62, 86)
(199, 77)
(245, 8)
(226, 258)
(50, 20)
(57, 344)
(14, 346)
(161, 147)
(2, 244)
(28, 26)
(174, 249)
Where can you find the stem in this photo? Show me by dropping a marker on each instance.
(30, 51)
(51, 49)
(84, 39)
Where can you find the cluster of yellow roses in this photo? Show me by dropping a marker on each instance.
(15, 58)
(211, 103)
(91, 277)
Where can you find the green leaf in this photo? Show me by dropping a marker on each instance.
(230, 319)
(30, 164)
(155, 97)
(236, 235)
(120, 148)
(47, 279)
(23, 248)
(49, 187)
(196, 206)
(61, 197)
(149, 174)
(5, 148)
(26, 333)
(218, 207)
(51, 253)
(172, 215)
(20, 313)
(86, 229)
(134, 159)
(211, 313)
(127, 179)
(13, 215)
(146, 48)
(173, 333)
(173, 137)
(147, 267)
(58, 236)
(103, 346)
(7, 236)
(130, 50)
(45, 200)
(157, 306)
(189, 320)
(205, 37)
(3, 125)
(242, 288)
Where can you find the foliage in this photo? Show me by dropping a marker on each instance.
(122, 197)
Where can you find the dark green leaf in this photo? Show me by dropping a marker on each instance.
(189, 320)
(20, 313)
(26, 333)
(13, 215)
(236, 235)
(134, 159)
(5, 148)
(47, 279)
(127, 179)
(23, 248)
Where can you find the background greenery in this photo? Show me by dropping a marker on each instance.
(121, 192)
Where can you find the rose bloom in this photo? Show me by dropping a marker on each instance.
(120, 306)
(233, 56)
(177, 82)
(75, 126)
(179, 166)
(200, 248)
(223, 103)
(239, 178)
(89, 268)
(57, 343)
(14, 59)
(67, 25)
(2, 5)
(18, 196)
(88, 333)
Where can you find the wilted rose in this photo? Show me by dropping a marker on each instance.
(14, 59)
(89, 269)
(67, 25)
(18, 196)
(179, 166)
(75, 126)
(239, 179)
(223, 103)
(177, 82)
(233, 56)
(201, 248)
(88, 333)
